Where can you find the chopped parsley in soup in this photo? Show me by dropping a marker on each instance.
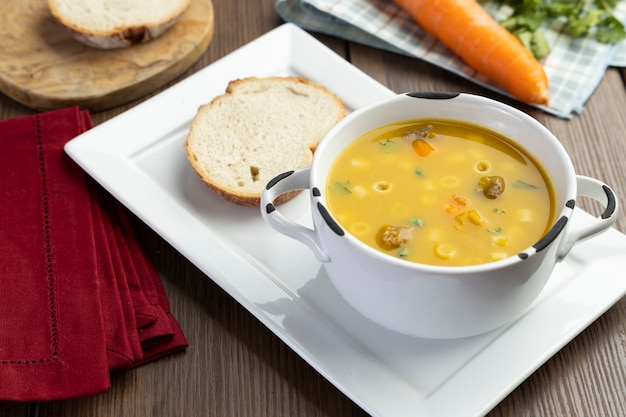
(440, 192)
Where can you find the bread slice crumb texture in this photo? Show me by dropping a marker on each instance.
(259, 128)
(110, 17)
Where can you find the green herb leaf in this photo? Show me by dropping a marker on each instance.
(498, 211)
(611, 31)
(539, 45)
(403, 253)
(497, 230)
(561, 8)
(416, 221)
(343, 187)
(577, 18)
(522, 184)
(419, 172)
(388, 145)
(579, 25)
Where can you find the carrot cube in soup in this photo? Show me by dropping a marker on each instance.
(422, 148)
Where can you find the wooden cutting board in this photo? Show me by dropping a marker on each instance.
(44, 69)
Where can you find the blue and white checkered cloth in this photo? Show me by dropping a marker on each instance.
(574, 67)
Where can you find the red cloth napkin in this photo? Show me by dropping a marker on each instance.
(78, 297)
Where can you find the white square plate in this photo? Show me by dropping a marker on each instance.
(139, 157)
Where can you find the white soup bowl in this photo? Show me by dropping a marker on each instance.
(439, 301)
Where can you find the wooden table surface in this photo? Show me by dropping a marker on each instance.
(237, 367)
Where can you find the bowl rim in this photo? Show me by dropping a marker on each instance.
(559, 222)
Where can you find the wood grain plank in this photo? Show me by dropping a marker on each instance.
(42, 67)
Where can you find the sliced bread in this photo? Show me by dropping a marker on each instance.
(109, 24)
(259, 128)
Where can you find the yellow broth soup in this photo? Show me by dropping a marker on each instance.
(440, 192)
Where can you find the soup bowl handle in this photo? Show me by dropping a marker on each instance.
(597, 190)
(281, 184)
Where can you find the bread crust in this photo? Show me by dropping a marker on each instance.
(252, 199)
(120, 36)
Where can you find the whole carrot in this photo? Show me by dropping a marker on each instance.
(471, 33)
